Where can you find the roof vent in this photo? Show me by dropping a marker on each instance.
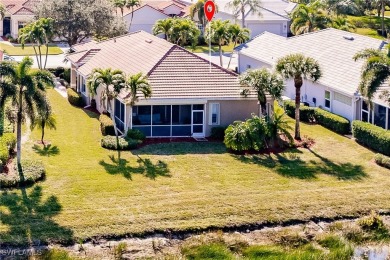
(148, 40)
(350, 38)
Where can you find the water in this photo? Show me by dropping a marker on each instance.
(379, 252)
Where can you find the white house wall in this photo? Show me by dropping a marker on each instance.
(144, 19)
(277, 27)
(245, 61)
(15, 19)
(172, 10)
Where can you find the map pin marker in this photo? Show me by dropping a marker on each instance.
(209, 10)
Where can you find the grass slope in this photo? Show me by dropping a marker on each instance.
(27, 50)
(182, 186)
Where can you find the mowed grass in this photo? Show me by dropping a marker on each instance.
(182, 186)
(28, 50)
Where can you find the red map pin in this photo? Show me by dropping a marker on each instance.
(209, 10)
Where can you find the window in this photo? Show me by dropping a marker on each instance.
(21, 25)
(214, 114)
(119, 115)
(327, 99)
(365, 111)
(83, 90)
(342, 99)
(248, 67)
(380, 115)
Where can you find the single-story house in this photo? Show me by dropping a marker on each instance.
(145, 16)
(274, 16)
(18, 13)
(337, 90)
(189, 95)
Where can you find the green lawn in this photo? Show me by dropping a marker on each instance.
(182, 186)
(214, 48)
(27, 50)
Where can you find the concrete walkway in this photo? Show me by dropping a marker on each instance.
(225, 59)
(60, 89)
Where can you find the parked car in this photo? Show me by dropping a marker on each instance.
(8, 58)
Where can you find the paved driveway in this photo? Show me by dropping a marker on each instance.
(53, 61)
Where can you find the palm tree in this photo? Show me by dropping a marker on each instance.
(184, 31)
(342, 23)
(119, 4)
(238, 35)
(264, 83)
(163, 26)
(111, 81)
(198, 8)
(219, 33)
(6, 89)
(130, 4)
(375, 72)
(29, 93)
(279, 126)
(298, 67)
(2, 11)
(44, 119)
(308, 18)
(47, 25)
(244, 7)
(135, 85)
(341, 7)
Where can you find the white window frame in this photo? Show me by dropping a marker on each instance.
(211, 114)
(328, 99)
(124, 115)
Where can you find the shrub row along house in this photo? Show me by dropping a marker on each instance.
(17, 14)
(189, 96)
(337, 90)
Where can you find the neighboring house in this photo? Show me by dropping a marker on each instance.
(145, 16)
(18, 14)
(274, 16)
(188, 98)
(337, 90)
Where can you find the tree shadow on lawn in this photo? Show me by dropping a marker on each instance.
(28, 219)
(289, 164)
(145, 167)
(182, 148)
(47, 150)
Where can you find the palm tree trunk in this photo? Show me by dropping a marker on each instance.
(132, 15)
(36, 56)
(298, 84)
(243, 16)
(43, 131)
(47, 52)
(19, 129)
(2, 115)
(115, 129)
(231, 56)
(40, 56)
(220, 54)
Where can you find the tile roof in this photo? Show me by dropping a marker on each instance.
(19, 7)
(159, 5)
(173, 71)
(330, 47)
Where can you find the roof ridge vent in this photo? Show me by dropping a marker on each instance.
(348, 37)
(149, 40)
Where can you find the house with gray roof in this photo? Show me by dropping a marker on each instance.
(189, 95)
(337, 90)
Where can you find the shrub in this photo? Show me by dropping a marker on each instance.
(135, 134)
(32, 172)
(7, 145)
(382, 160)
(109, 142)
(74, 98)
(332, 121)
(218, 132)
(373, 222)
(58, 71)
(106, 125)
(306, 114)
(66, 75)
(372, 136)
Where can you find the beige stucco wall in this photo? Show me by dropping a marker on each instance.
(230, 111)
(15, 19)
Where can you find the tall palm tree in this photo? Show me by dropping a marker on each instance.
(243, 7)
(135, 85)
(131, 4)
(47, 25)
(29, 94)
(44, 119)
(342, 23)
(219, 33)
(119, 4)
(308, 18)
(298, 67)
(184, 31)
(7, 90)
(375, 72)
(198, 8)
(238, 35)
(111, 82)
(2, 11)
(163, 26)
(264, 83)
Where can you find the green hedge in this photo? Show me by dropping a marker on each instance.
(372, 136)
(332, 121)
(109, 142)
(135, 134)
(75, 98)
(33, 171)
(382, 160)
(7, 145)
(306, 114)
(106, 125)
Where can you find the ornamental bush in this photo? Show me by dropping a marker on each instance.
(109, 142)
(74, 98)
(7, 145)
(372, 136)
(106, 125)
(382, 160)
(33, 171)
(332, 121)
(135, 134)
(306, 114)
